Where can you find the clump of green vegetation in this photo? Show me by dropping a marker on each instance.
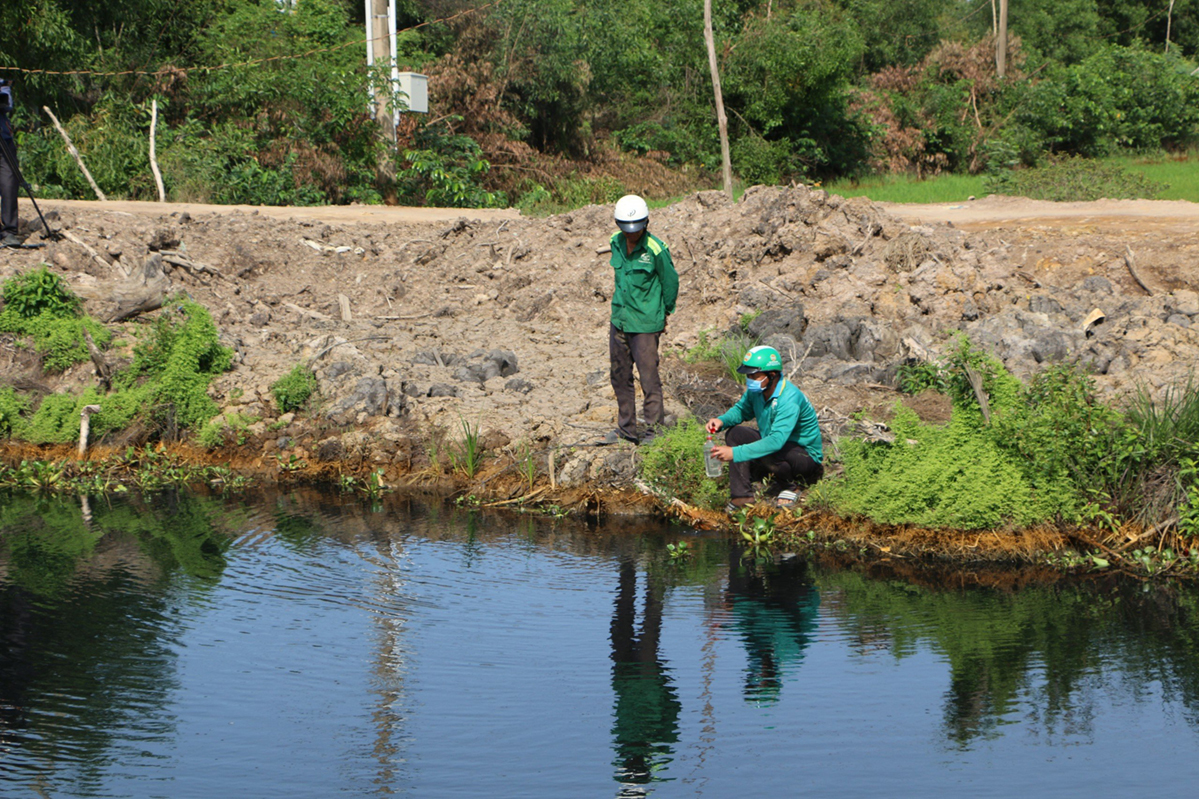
(726, 350)
(294, 389)
(467, 454)
(39, 305)
(179, 360)
(166, 386)
(919, 376)
(11, 407)
(1074, 179)
(220, 430)
(673, 464)
(1021, 461)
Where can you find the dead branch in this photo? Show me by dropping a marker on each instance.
(69, 236)
(1128, 261)
(103, 370)
(175, 258)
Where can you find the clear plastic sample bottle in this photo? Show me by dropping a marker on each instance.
(711, 464)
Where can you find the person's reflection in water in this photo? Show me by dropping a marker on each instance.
(647, 706)
(774, 611)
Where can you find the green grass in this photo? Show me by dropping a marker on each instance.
(907, 189)
(1180, 171)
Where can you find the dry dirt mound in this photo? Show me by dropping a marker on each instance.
(501, 321)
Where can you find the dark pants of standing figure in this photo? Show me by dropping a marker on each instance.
(791, 464)
(8, 187)
(625, 350)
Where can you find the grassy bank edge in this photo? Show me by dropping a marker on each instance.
(765, 531)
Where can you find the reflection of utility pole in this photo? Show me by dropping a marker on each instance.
(1001, 40)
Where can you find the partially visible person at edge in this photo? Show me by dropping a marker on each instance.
(644, 295)
(8, 171)
(787, 444)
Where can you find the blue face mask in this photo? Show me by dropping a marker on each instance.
(755, 385)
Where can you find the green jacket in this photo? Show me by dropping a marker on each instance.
(786, 416)
(646, 285)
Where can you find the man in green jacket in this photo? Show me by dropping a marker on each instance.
(644, 295)
(787, 444)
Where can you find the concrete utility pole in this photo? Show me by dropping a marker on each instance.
(1001, 40)
(381, 54)
(726, 167)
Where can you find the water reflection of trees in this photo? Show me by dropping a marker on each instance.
(85, 626)
(1035, 650)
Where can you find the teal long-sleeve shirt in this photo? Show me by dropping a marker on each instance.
(785, 416)
(647, 285)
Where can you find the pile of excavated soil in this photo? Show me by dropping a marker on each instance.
(416, 323)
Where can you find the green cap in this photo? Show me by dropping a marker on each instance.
(761, 359)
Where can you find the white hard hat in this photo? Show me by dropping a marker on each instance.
(632, 214)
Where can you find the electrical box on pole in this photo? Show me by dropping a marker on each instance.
(415, 87)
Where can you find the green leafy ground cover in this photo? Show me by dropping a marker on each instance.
(165, 387)
(1051, 451)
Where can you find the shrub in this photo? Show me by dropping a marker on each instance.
(953, 476)
(293, 390)
(178, 361)
(39, 292)
(725, 350)
(1073, 179)
(673, 463)
(1118, 97)
(40, 305)
(1027, 464)
(216, 431)
(11, 409)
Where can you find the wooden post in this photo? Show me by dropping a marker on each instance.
(1001, 41)
(1169, 17)
(75, 153)
(726, 167)
(162, 195)
(85, 423)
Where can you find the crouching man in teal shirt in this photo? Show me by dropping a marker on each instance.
(787, 443)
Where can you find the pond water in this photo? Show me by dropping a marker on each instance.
(305, 645)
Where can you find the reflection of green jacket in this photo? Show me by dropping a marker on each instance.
(646, 284)
(786, 416)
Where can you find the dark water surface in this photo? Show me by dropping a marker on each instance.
(302, 645)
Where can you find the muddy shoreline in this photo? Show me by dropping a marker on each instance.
(1004, 556)
(417, 327)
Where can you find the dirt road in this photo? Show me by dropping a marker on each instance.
(1102, 215)
(988, 212)
(332, 214)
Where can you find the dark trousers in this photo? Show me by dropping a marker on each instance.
(8, 187)
(791, 464)
(624, 351)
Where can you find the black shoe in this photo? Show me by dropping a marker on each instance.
(651, 434)
(614, 437)
(11, 240)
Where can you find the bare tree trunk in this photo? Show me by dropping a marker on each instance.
(162, 195)
(75, 153)
(1001, 41)
(1169, 17)
(85, 424)
(726, 167)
